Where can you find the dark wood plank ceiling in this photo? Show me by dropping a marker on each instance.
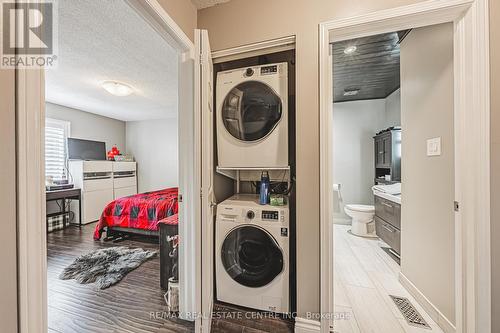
(373, 68)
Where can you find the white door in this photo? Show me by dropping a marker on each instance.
(189, 188)
(203, 78)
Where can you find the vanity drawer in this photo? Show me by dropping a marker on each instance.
(388, 234)
(389, 211)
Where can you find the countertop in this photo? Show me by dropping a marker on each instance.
(390, 197)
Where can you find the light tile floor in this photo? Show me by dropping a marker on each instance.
(364, 277)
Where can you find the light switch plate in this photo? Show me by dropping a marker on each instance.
(434, 147)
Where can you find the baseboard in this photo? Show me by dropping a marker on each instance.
(303, 325)
(430, 308)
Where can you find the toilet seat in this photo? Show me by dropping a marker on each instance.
(361, 208)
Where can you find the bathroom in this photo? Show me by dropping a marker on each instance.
(368, 133)
(393, 178)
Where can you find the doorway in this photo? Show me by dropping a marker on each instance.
(467, 210)
(30, 130)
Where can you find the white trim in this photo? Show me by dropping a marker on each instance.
(472, 144)
(158, 18)
(31, 232)
(188, 189)
(303, 325)
(204, 116)
(30, 113)
(244, 51)
(430, 308)
(417, 15)
(63, 123)
(154, 14)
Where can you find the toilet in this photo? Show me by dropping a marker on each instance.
(362, 220)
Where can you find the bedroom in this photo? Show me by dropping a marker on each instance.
(111, 135)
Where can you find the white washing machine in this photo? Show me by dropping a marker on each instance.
(252, 117)
(252, 254)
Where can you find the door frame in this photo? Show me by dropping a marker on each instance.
(31, 231)
(472, 143)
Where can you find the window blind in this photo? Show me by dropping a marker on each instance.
(56, 135)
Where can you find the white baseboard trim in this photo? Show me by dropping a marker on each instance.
(303, 325)
(424, 302)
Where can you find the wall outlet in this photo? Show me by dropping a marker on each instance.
(434, 147)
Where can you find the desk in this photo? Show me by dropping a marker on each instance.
(63, 195)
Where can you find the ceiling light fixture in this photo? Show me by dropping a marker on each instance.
(117, 88)
(350, 49)
(351, 92)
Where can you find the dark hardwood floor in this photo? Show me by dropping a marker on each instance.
(134, 305)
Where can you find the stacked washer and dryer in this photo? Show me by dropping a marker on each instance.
(252, 258)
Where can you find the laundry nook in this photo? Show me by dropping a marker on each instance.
(254, 250)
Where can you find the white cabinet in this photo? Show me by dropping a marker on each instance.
(94, 202)
(101, 182)
(125, 192)
(124, 179)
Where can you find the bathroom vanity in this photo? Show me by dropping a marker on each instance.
(388, 220)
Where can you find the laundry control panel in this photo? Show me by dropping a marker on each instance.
(270, 215)
(269, 70)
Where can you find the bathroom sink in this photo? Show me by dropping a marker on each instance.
(396, 198)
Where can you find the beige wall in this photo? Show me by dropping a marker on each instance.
(427, 216)
(495, 159)
(184, 14)
(8, 275)
(242, 22)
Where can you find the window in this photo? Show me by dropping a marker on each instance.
(56, 137)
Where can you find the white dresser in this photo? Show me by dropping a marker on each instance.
(124, 179)
(101, 182)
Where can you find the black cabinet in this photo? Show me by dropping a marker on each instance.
(166, 264)
(388, 156)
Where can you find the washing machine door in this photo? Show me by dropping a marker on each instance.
(251, 256)
(251, 111)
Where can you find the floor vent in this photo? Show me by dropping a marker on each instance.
(409, 312)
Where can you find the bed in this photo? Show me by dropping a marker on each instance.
(140, 213)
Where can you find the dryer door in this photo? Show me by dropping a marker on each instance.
(251, 111)
(251, 256)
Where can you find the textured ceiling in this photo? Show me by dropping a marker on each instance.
(373, 68)
(108, 40)
(200, 4)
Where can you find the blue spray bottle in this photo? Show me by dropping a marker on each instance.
(264, 188)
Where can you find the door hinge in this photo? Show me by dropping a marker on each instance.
(201, 193)
(456, 206)
(180, 198)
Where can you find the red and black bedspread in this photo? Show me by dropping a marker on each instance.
(140, 211)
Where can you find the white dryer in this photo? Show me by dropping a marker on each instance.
(252, 254)
(252, 117)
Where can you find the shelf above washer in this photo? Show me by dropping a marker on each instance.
(254, 174)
